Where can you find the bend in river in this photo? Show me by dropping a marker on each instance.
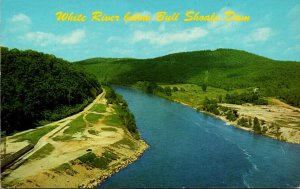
(193, 149)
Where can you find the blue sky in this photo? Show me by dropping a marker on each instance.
(273, 31)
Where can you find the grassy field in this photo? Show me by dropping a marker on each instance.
(93, 118)
(34, 136)
(126, 141)
(43, 152)
(65, 168)
(102, 162)
(113, 120)
(99, 108)
(109, 129)
(77, 125)
(63, 138)
(194, 96)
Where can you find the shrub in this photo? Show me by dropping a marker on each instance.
(168, 91)
(243, 122)
(256, 125)
(99, 162)
(230, 116)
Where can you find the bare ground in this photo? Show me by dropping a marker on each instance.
(40, 172)
(286, 117)
(278, 113)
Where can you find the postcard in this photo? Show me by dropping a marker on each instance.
(150, 94)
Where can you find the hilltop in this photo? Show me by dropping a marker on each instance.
(39, 87)
(228, 69)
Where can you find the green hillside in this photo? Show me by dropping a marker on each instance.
(37, 86)
(223, 68)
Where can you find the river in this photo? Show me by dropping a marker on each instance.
(192, 149)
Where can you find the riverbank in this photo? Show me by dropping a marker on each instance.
(79, 151)
(277, 120)
(195, 150)
(76, 174)
(294, 138)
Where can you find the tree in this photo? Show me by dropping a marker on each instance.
(230, 116)
(243, 122)
(204, 87)
(41, 87)
(220, 99)
(250, 121)
(256, 125)
(204, 84)
(168, 91)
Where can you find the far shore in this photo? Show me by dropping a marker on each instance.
(234, 123)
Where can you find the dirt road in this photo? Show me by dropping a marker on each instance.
(64, 151)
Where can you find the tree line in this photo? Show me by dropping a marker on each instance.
(122, 110)
(227, 69)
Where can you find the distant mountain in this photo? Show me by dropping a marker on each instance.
(223, 68)
(37, 86)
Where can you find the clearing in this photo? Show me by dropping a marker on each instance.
(56, 160)
(280, 120)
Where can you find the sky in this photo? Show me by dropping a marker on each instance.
(273, 30)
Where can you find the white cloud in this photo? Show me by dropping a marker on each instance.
(74, 37)
(45, 39)
(259, 35)
(40, 38)
(159, 38)
(19, 22)
(223, 26)
(21, 18)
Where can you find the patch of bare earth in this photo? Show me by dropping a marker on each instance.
(43, 172)
(279, 114)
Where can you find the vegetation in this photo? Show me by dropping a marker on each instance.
(122, 110)
(99, 108)
(247, 97)
(211, 106)
(109, 129)
(99, 162)
(256, 126)
(112, 120)
(63, 138)
(42, 152)
(244, 122)
(93, 132)
(93, 118)
(77, 125)
(228, 69)
(39, 87)
(65, 168)
(126, 141)
(231, 115)
(34, 136)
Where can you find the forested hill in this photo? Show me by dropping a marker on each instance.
(222, 68)
(37, 86)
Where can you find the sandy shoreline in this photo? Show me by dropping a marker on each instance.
(99, 180)
(234, 123)
(107, 148)
(82, 175)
